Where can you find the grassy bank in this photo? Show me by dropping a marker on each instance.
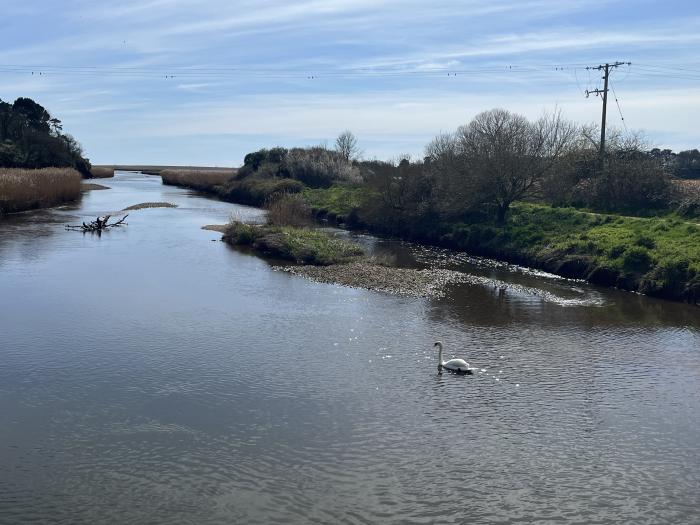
(654, 256)
(252, 191)
(339, 203)
(300, 245)
(22, 189)
(207, 181)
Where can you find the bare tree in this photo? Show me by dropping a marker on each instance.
(346, 145)
(507, 156)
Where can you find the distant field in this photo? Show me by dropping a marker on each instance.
(156, 170)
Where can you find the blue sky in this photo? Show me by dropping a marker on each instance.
(204, 82)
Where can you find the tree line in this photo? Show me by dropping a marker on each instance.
(476, 172)
(31, 138)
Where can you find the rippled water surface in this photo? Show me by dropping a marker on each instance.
(151, 375)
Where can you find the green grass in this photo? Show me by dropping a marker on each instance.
(657, 256)
(301, 245)
(337, 202)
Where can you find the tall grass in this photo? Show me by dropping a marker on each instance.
(198, 179)
(24, 189)
(102, 172)
(288, 210)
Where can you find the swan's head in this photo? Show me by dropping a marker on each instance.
(438, 344)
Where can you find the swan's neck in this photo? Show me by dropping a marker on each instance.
(439, 356)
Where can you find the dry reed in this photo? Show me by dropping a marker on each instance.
(102, 172)
(25, 189)
(288, 210)
(198, 179)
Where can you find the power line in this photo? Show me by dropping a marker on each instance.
(618, 107)
(606, 68)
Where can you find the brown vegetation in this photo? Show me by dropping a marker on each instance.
(198, 179)
(101, 172)
(288, 210)
(25, 189)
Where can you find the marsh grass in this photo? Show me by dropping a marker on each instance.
(288, 210)
(207, 180)
(258, 191)
(102, 172)
(23, 189)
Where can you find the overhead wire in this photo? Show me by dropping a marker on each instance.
(618, 106)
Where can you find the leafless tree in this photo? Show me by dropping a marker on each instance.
(346, 145)
(505, 157)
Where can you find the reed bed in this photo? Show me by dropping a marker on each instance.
(198, 179)
(25, 189)
(102, 172)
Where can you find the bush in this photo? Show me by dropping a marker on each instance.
(241, 233)
(288, 210)
(645, 242)
(636, 259)
(318, 167)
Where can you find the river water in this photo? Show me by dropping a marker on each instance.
(152, 375)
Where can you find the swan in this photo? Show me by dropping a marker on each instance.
(459, 366)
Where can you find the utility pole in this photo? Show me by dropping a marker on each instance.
(606, 68)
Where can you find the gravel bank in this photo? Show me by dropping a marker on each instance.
(398, 281)
(427, 283)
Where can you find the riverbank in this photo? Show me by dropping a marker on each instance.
(28, 189)
(657, 256)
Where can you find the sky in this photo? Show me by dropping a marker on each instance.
(197, 82)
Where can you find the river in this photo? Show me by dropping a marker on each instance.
(156, 375)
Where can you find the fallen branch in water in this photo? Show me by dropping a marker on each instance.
(99, 224)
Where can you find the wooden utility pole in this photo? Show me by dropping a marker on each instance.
(606, 68)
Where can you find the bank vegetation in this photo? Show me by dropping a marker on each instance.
(26, 189)
(535, 192)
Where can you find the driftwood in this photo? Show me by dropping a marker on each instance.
(99, 224)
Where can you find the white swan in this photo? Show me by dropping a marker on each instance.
(459, 366)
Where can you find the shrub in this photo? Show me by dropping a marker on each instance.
(241, 233)
(646, 242)
(288, 210)
(636, 259)
(318, 167)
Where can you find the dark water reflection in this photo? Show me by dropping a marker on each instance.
(153, 376)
